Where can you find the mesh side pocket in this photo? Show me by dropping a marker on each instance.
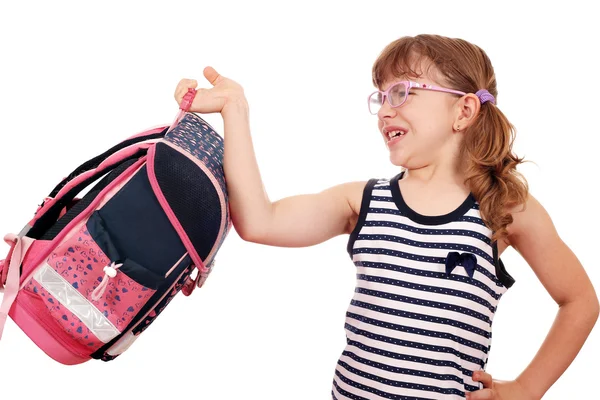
(191, 195)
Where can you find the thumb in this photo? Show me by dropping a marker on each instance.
(212, 75)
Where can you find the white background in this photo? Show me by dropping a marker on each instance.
(77, 77)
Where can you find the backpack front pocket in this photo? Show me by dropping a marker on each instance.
(90, 296)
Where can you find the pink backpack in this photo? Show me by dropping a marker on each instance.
(86, 276)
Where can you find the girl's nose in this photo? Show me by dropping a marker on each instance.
(386, 110)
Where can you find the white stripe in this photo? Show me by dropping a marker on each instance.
(400, 377)
(410, 351)
(384, 388)
(413, 365)
(422, 251)
(352, 389)
(414, 250)
(413, 337)
(74, 301)
(426, 280)
(427, 296)
(473, 213)
(435, 327)
(336, 393)
(426, 238)
(382, 193)
(400, 219)
(386, 205)
(431, 281)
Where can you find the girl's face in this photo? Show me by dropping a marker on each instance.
(426, 120)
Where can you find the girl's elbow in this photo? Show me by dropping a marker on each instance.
(247, 233)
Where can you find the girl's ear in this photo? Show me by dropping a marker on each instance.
(467, 109)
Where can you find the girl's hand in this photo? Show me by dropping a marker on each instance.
(224, 93)
(498, 390)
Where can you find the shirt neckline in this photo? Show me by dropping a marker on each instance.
(466, 205)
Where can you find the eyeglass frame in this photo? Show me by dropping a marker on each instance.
(408, 85)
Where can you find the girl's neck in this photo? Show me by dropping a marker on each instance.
(435, 177)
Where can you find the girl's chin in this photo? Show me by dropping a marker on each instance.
(397, 160)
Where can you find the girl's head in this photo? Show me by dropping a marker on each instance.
(448, 129)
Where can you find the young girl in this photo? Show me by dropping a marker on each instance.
(426, 242)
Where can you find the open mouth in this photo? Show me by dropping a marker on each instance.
(395, 133)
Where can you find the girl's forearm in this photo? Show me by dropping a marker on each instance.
(249, 203)
(572, 325)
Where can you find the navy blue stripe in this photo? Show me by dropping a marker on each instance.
(408, 371)
(425, 231)
(425, 317)
(405, 357)
(410, 329)
(368, 389)
(395, 211)
(346, 393)
(393, 383)
(432, 260)
(429, 245)
(415, 345)
(475, 220)
(428, 288)
(426, 303)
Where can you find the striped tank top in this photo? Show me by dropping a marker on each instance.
(420, 321)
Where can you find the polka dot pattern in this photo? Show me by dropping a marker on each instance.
(398, 338)
(405, 371)
(427, 303)
(384, 381)
(425, 231)
(407, 357)
(441, 275)
(411, 329)
(430, 288)
(412, 344)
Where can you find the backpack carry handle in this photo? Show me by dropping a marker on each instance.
(184, 107)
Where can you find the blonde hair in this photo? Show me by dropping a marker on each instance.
(490, 164)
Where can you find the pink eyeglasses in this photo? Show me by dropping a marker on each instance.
(398, 92)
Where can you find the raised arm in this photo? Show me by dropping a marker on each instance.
(296, 221)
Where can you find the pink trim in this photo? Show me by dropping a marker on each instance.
(4, 268)
(151, 310)
(175, 265)
(188, 99)
(150, 131)
(186, 104)
(210, 176)
(42, 338)
(127, 152)
(36, 262)
(43, 252)
(19, 245)
(118, 156)
(37, 247)
(170, 214)
(178, 118)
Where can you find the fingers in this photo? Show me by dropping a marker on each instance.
(484, 394)
(212, 75)
(182, 88)
(483, 377)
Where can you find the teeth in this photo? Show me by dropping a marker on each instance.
(393, 134)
